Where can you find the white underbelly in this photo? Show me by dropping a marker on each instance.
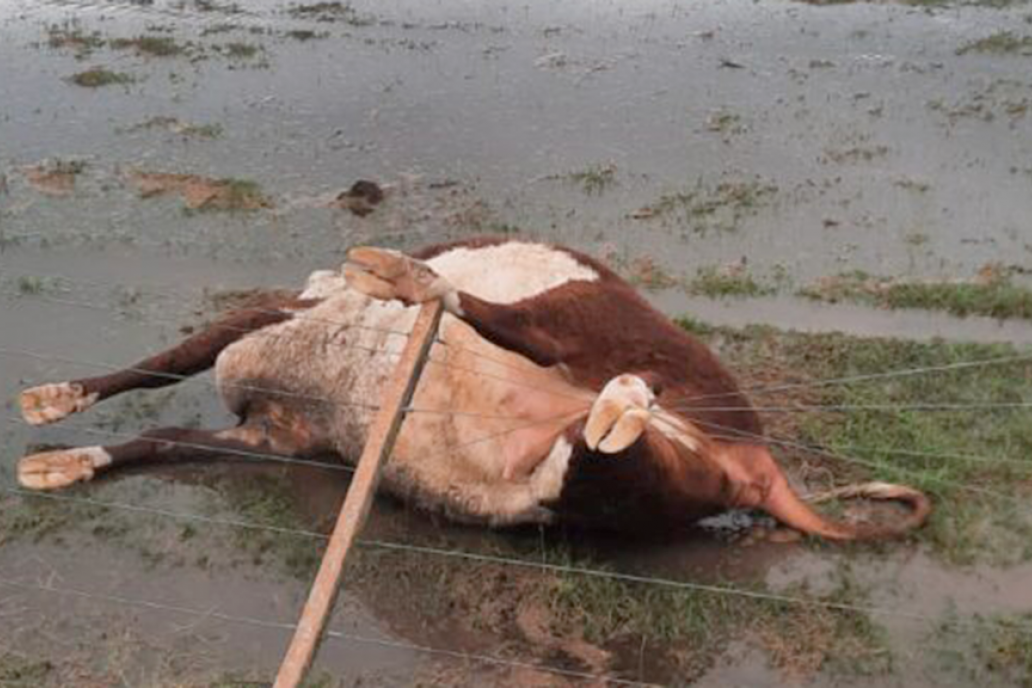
(476, 406)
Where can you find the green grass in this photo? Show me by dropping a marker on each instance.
(303, 35)
(721, 207)
(155, 46)
(716, 284)
(595, 179)
(72, 36)
(995, 298)
(97, 77)
(219, 7)
(17, 671)
(932, 4)
(330, 12)
(240, 50)
(1000, 43)
(31, 285)
(988, 650)
(241, 194)
(922, 448)
(263, 500)
(203, 131)
(726, 123)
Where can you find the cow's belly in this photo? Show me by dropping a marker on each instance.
(477, 409)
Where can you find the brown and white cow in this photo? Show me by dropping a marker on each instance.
(556, 392)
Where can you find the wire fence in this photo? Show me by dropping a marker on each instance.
(685, 403)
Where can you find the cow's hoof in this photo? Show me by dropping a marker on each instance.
(385, 274)
(49, 403)
(385, 263)
(54, 469)
(619, 415)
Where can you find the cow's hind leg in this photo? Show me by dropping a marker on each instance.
(52, 402)
(60, 468)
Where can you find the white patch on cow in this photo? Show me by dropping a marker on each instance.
(509, 272)
(323, 283)
(547, 481)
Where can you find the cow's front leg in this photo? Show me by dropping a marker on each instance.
(386, 274)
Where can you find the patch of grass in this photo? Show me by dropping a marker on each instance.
(930, 4)
(241, 194)
(97, 77)
(73, 37)
(263, 500)
(223, 27)
(306, 35)
(799, 640)
(988, 649)
(222, 8)
(722, 284)
(1000, 43)
(855, 154)
(1001, 97)
(322, 680)
(995, 298)
(704, 208)
(155, 46)
(331, 12)
(725, 123)
(204, 131)
(240, 50)
(16, 670)
(29, 285)
(557, 613)
(694, 326)
(595, 179)
(1005, 647)
(981, 510)
(174, 125)
(35, 519)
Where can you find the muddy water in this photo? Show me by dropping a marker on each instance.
(887, 151)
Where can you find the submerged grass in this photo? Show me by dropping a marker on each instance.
(594, 179)
(704, 208)
(330, 12)
(715, 283)
(97, 77)
(987, 649)
(995, 298)
(155, 46)
(1000, 43)
(240, 50)
(17, 670)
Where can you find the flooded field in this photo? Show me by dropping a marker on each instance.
(819, 189)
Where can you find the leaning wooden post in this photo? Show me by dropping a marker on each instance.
(359, 498)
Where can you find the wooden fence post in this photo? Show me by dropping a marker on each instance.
(359, 498)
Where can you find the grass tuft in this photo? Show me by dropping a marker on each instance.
(998, 297)
(1000, 43)
(97, 77)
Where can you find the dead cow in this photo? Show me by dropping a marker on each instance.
(555, 393)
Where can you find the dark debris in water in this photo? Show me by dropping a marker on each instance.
(362, 198)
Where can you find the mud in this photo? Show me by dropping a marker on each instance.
(798, 141)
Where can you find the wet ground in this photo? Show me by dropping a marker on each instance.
(792, 140)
